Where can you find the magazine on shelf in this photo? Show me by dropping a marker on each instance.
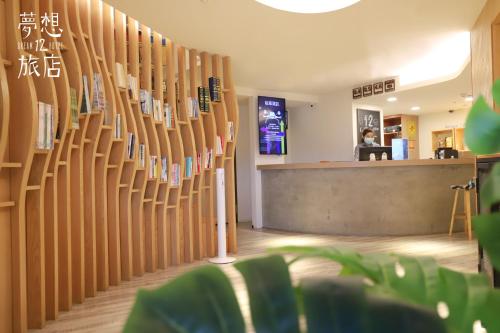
(220, 145)
(131, 145)
(45, 130)
(118, 126)
(164, 169)
(230, 131)
(75, 123)
(86, 97)
(169, 115)
(142, 155)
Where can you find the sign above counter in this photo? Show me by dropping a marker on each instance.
(376, 88)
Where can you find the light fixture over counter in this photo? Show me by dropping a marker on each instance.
(308, 6)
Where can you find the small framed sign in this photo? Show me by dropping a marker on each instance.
(378, 88)
(390, 85)
(357, 93)
(367, 90)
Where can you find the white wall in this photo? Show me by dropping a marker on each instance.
(437, 121)
(249, 178)
(243, 165)
(323, 132)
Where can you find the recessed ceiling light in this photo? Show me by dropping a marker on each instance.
(392, 99)
(415, 108)
(308, 6)
(469, 98)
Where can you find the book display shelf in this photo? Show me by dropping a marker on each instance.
(107, 170)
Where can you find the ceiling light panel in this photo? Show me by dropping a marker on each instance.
(308, 6)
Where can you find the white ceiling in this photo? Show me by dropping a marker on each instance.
(445, 96)
(315, 53)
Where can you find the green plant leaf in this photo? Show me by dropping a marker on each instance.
(420, 282)
(482, 129)
(489, 314)
(272, 300)
(202, 300)
(487, 229)
(465, 295)
(490, 190)
(390, 315)
(351, 261)
(335, 305)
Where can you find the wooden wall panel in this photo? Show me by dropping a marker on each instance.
(485, 63)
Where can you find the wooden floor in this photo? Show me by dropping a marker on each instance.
(108, 311)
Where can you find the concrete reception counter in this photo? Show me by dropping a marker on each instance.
(363, 198)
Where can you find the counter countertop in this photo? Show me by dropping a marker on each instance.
(343, 165)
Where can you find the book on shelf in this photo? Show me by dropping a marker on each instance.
(157, 112)
(230, 131)
(146, 102)
(121, 80)
(152, 78)
(169, 116)
(203, 99)
(177, 95)
(220, 145)
(215, 88)
(175, 174)
(198, 163)
(164, 169)
(208, 158)
(86, 97)
(142, 155)
(118, 126)
(45, 134)
(189, 167)
(153, 167)
(131, 146)
(98, 102)
(193, 107)
(75, 124)
(133, 87)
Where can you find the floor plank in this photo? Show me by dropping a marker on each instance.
(108, 311)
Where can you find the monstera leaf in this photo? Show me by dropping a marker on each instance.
(463, 301)
(204, 301)
(482, 128)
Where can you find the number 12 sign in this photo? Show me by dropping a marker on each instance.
(369, 119)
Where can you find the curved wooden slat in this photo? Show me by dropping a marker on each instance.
(117, 153)
(210, 128)
(22, 131)
(188, 143)
(199, 236)
(141, 173)
(173, 214)
(152, 186)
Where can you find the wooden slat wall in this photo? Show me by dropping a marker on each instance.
(84, 216)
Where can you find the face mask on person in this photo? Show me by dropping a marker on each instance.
(369, 141)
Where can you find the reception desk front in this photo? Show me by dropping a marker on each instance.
(363, 198)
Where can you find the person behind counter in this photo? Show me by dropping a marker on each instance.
(368, 140)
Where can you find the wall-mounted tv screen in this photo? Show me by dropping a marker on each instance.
(272, 126)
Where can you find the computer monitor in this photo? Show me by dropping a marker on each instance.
(445, 153)
(364, 153)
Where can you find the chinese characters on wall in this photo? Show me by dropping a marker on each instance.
(50, 64)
